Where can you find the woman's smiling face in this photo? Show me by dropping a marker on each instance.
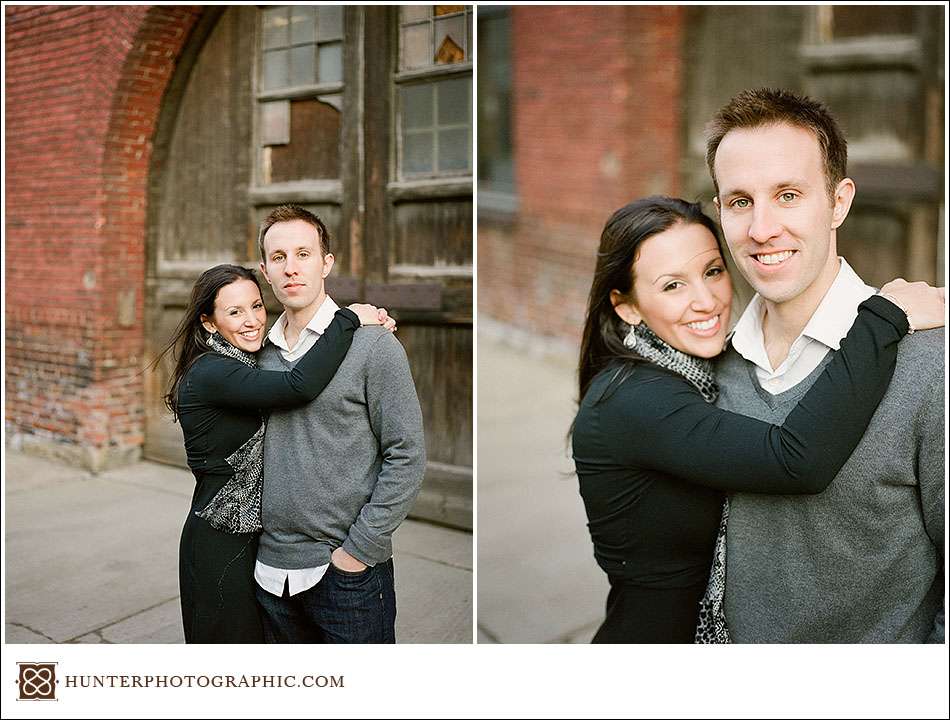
(681, 290)
(239, 315)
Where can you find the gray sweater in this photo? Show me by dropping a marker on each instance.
(344, 469)
(862, 561)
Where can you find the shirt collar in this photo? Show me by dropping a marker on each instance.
(830, 322)
(838, 309)
(318, 324)
(747, 337)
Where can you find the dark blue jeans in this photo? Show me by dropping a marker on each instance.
(344, 607)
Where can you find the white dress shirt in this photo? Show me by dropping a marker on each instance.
(828, 325)
(270, 578)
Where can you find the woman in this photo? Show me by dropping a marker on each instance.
(654, 456)
(221, 399)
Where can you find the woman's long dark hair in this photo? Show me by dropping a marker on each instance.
(190, 340)
(627, 228)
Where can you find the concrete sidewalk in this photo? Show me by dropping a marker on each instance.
(537, 579)
(94, 558)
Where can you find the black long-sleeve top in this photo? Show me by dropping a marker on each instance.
(221, 400)
(653, 458)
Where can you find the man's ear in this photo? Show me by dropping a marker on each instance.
(207, 324)
(327, 264)
(625, 309)
(844, 196)
(718, 206)
(264, 273)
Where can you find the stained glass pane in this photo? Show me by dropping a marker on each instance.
(275, 28)
(330, 26)
(275, 70)
(453, 101)
(302, 70)
(331, 62)
(453, 150)
(450, 40)
(302, 24)
(416, 47)
(417, 106)
(417, 153)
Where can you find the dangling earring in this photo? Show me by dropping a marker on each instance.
(632, 337)
(210, 339)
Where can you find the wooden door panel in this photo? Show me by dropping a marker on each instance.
(198, 204)
(200, 208)
(433, 235)
(163, 437)
(440, 357)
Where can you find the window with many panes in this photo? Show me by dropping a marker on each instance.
(434, 79)
(496, 177)
(299, 93)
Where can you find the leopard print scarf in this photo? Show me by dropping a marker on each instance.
(236, 507)
(697, 371)
(712, 628)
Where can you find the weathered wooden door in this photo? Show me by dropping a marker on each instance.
(417, 239)
(198, 184)
(310, 105)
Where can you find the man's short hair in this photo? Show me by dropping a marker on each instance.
(767, 106)
(286, 213)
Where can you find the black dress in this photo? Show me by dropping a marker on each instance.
(653, 460)
(220, 405)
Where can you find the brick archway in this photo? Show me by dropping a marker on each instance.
(84, 91)
(160, 33)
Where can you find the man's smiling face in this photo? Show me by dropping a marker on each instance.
(775, 211)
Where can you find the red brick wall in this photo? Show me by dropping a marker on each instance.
(596, 95)
(84, 86)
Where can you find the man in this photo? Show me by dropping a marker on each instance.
(863, 561)
(340, 473)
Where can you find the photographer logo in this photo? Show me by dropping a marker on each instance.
(37, 681)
